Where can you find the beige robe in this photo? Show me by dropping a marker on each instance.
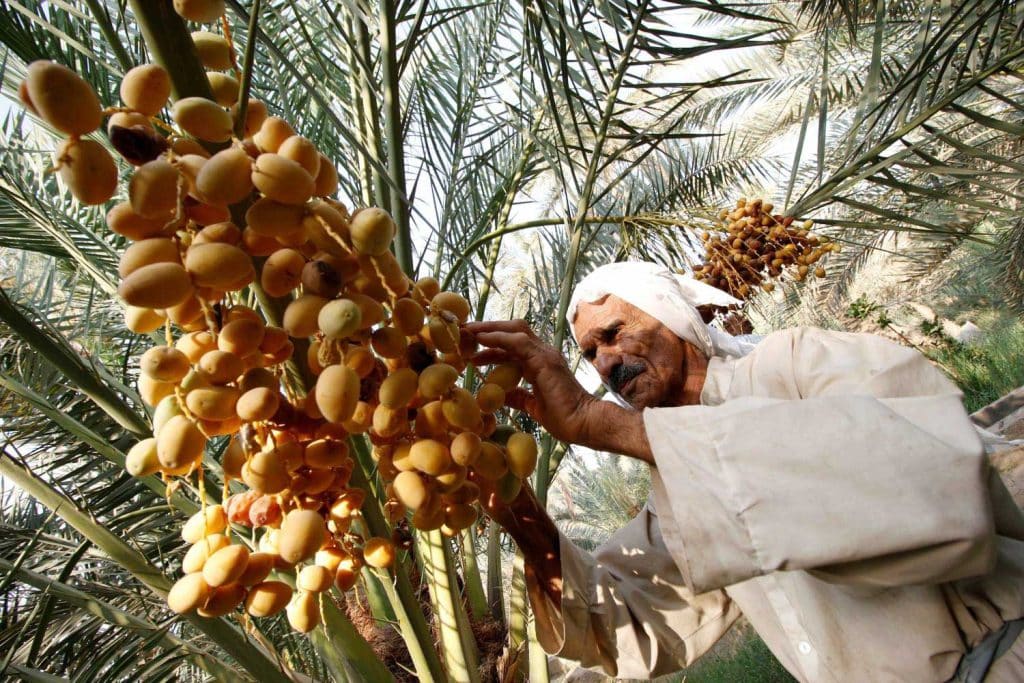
(832, 489)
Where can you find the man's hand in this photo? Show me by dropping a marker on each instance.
(557, 402)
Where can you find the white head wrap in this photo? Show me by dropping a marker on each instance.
(670, 298)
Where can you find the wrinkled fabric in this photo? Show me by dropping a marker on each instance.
(976, 664)
(625, 608)
(669, 297)
(831, 488)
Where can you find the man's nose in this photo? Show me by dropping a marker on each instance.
(606, 362)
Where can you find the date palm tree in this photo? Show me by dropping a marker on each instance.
(589, 131)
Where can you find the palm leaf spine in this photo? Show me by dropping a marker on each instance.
(255, 660)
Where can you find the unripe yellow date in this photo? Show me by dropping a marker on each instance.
(200, 11)
(258, 404)
(337, 392)
(147, 252)
(491, 463)
(180, 443)
(203, 119)
(225, 565)
(164, 363)
(372, 230)
(455, 304)
(465, 448)
(224, 88)
(303, 152)
(314, 579)
(302, 533)
(226, 178)
(142, 459)
(257, 570)
(300, 317)
(379, 552)
(339, 319)
(398, 389)
(282, 179)
(212, 520)
(430, 456)
(188, 594)
(490, 397)
(437, 380)
(214, 51)
(522, 454)
(153, 190)
(304, 612)
(282, 272)
(411, 490)
(408, 316)
(461, 410)
(217, 265)
(268, 598)
(507, 376)
(62, 97)
(88, 170)
(223, 600)
(146, 89)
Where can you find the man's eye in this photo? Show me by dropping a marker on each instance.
(589, 354)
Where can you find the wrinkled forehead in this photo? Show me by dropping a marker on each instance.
(600, 313)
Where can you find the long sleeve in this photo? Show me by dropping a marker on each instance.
(626, 608)
(842, 454)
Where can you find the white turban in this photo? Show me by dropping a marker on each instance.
(670, 298)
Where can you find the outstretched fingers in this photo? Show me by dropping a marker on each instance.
(518, 344)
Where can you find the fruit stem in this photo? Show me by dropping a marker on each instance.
(168, 39)
(250, 54)
(393, 123)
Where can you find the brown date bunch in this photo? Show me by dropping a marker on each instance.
(757, 247)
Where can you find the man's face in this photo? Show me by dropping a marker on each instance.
(637, 356)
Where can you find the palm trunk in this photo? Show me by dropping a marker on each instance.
(356, 84)
(475, 595)
(395, 138)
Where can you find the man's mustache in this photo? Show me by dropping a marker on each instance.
(622, 374)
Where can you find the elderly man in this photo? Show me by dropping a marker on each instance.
(829, 486)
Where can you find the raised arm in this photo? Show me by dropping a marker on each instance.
(556, 400)
(625, 608)
(534, 532)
